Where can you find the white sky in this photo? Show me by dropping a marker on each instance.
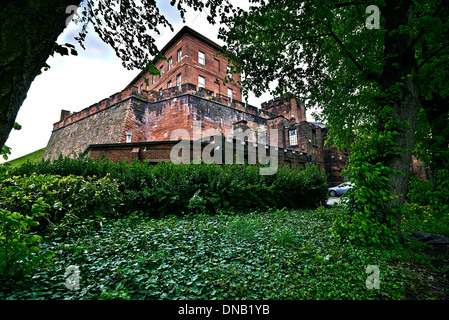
(76, 82)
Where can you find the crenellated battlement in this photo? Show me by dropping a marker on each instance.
(68, 118)
(286, 107)
(150, 96)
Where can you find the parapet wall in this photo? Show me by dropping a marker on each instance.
(69, 118)
(154, 96)
(73, 135)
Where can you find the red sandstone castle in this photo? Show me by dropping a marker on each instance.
(190, 93)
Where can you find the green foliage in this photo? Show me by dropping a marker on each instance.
(423, 193)
(278, 254)
(19, 253)
(364, 83)
(425, 219)
(196, 188)
(419, 191)
(65, 198)
(5, 151)
(325, 56)
(367, 219)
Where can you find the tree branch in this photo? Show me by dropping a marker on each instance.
(434, 54)
(423, 31)
(311, 37)
(343, 47)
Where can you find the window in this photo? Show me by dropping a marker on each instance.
(160, 91)
(154, 79)
(293, 137)
(141, 88)
(178, 81)
(129, 135)
(170, 63)
(201, 82)
(314, 142)
(179, 54)
(201, 57)
(230, 94)
(169, 84)
(161, 71)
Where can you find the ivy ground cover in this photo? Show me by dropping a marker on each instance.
(262, 255)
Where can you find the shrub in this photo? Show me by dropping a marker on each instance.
(19, 252)
(63, 196)
(422, 192)
(196, 188)
(367, 219)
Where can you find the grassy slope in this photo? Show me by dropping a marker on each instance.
(33, 157)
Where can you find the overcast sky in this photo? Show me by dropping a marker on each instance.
(76, 82)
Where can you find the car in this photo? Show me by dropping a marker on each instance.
(340, 189)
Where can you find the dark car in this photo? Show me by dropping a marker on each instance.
(340, 189)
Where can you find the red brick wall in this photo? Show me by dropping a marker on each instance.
(289, 108)
(189, 68)
(160, 151)
(419, 169)
(115, 154)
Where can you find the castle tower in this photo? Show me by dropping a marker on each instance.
(290, 109)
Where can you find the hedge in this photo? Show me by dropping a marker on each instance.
(191, 188)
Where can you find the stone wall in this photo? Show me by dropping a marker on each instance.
(288, 108)
(104, 126)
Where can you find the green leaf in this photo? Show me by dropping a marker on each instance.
(17, 126)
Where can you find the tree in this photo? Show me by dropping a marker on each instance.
(357, 61)
(433, 58)
(29, 29)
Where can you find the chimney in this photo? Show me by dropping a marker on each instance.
(65, 114)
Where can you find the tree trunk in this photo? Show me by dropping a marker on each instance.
(400, 68)
(28, 30)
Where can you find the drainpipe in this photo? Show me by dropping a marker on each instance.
(222, 148)
(283, 133)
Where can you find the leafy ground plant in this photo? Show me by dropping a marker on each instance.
(277, 254)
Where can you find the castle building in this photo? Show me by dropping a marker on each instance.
(190, 101)
(191, 58)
